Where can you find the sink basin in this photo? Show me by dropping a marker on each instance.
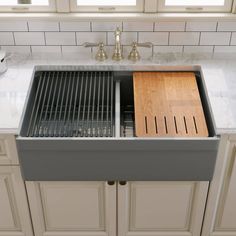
(90, 134)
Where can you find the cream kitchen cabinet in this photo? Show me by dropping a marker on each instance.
(161, 208)
(220, 217)
(14, 211)
(73, 208)
(8, 152)
(126, 208)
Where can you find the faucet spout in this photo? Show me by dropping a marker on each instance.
(117, 56)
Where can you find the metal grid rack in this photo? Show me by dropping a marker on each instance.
(72, 104)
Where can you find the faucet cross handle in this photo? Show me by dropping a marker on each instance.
(134, 54)
(101, 54)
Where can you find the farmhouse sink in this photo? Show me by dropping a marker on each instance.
(78, 124)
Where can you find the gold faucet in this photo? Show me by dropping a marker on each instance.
(117, 56)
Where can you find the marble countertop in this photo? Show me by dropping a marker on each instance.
(219, 73)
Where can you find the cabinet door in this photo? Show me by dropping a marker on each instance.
(220, 217)
(8, 152)
(14, 211)
(161, 208)
(72, 208)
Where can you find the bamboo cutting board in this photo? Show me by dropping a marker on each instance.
(168, 104)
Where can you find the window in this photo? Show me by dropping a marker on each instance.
(27, 5)
(195, 5)
(107, 5)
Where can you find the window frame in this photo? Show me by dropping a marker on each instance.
(188, 9)
(29, 8)
(138, 8)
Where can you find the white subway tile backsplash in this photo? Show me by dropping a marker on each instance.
(215, 38)
(17, 49)
(29, 38)
(233, 39)
(43, 26)
(60, 38)
(46, 49)
(13, 26)
(157, 38)
(226, 26)
(74, 26)
(198, 49)
(170, 26)
(91, 37)
(201, 26)
(138, 26)
(193, 36)
(6, 38)
(106, 26)
(225, 49)
(127, 38)
(184, 38)
(168, 49)
(76, 49)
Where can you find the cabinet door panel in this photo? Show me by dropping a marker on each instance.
(157, 208)
(220, 219)
(14, 212)
(227, 209)
(8, 152)
(72, 208)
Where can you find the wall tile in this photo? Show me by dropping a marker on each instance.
(29, 38)
(226, 26)
(233, 39)
(215, 38)
(91, 37)
(17, 49)
(170, 26)
(46, 49)
(60, 38)
(74, 26)
(43, 26)
(127, 38)
(184, 38)
(13, 26)
(225, 49)
(157, 38)
(106, 26)
(201, 26)
(138, 26)
(76, 49)
(198, 49)
(6, 38)
(168, 49)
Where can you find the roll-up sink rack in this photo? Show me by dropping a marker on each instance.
(80, 125)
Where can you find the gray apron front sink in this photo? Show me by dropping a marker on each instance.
(114, 154)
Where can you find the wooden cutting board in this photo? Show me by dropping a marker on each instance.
(168, 104)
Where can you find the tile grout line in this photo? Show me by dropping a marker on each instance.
(14, 39)
(200, 36)
(76, 39)
(44, 38)
(230, 40)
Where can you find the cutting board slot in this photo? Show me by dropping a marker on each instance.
(169, 124)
